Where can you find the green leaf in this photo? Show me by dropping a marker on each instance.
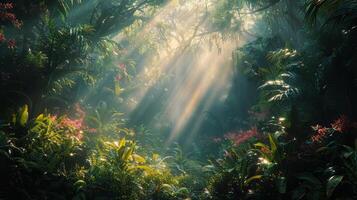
(298, 193)
(79, 184)
(23, 115)
(321, 149)
(40, 117)
(256, 177)
(166, 187)
(281, 184)
(145, 168)
(310, 179)
(155, 156)
(122, 143)
(259, 144)
(117, 89)
(138, 158)
(183, 191)
(332, 183)
(273, 142)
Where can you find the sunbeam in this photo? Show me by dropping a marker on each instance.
(199, 75)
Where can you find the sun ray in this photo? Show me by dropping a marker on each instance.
(199, 77)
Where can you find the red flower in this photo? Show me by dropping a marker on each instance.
(321, 133)
(6, 5)
(2, 37)
(74, 123)
(242, 136)
(75, 127)
(342, 124)
(11, 43)
(10, 16)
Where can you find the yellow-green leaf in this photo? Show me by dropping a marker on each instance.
(40, 117)
(273, 143)
(23, 115)
(122, 143)
(256, 177)
(117, 89)
(259, 144)
(139, 158)
(155, 156)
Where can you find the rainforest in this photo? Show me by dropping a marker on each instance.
(178, 99)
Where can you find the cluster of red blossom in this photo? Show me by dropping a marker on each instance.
(5, 15)
(11, 43)
(6, 6)
(77, 125)
(239, 137)
(321, 133)
(342, 124)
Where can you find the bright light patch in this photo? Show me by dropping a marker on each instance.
(201, 75)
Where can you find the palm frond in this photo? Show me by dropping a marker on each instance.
(281, 89)
(336, 10)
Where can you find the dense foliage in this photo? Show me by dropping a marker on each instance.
(71, 129)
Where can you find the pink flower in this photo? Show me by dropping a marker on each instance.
(74, 123)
